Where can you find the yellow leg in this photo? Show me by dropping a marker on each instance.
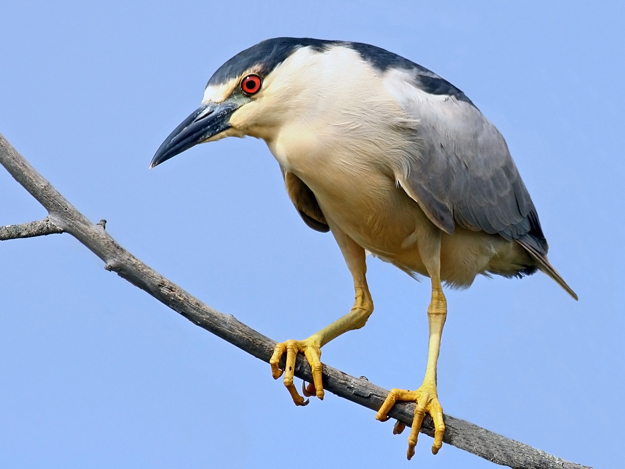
(311, 347)
(426, 397)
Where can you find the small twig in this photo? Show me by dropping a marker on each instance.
(65, 217)
(29, 230)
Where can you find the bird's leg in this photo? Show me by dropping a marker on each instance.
(311, 347)
(426, 397)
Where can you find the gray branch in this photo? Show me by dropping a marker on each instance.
(63, 217)
(29, 230)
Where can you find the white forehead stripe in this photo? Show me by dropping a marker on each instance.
(218, 93)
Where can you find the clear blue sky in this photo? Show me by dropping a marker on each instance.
(96, 374)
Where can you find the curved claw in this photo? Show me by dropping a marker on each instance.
(398, 428)
(308, 389)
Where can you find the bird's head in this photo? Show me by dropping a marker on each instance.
(304, 83)
(250, 94)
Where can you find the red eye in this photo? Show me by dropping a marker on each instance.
(251, 84)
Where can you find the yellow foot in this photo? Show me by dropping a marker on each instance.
(312, 350)
(427, 402)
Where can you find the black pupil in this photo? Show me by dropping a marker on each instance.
(250, 84)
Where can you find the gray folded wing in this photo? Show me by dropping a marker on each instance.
(460, 171)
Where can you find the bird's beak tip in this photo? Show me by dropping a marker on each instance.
(155, 161)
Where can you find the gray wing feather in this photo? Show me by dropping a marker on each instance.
(461, 172)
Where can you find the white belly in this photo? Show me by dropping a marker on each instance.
(362, 199)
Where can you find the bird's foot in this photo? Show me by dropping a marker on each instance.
(426, 398)
(311, 348)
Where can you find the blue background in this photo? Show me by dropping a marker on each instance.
(94, 373)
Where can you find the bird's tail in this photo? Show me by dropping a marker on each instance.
(545, 266)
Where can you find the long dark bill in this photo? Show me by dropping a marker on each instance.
(205, 122)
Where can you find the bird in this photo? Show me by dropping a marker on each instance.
(394, 161)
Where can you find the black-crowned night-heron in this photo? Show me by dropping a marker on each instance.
(392, 159)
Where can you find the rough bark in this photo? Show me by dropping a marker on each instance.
(64, 218)
(29, 230)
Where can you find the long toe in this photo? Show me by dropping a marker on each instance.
(312, 350)
(427, 402)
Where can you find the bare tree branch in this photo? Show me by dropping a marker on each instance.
(63, 217)
(29, 230)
